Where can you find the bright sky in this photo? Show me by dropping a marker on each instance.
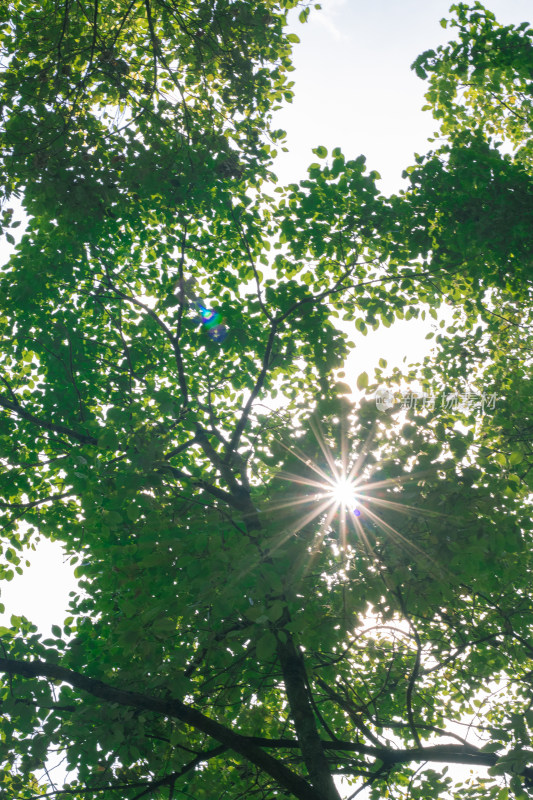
(353, 85)
(354, 90)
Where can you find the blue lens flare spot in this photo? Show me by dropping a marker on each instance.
(211, 320)
(357, 512)
(219, 333)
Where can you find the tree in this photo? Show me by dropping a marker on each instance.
(238, 632)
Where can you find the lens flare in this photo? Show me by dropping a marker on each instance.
(211, 320)
(335, 497)
(343, 493)
(337, 491)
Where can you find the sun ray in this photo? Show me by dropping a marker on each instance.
(302, 481)
(293, 502)
(408, 478)
(305, 460)
(344, 491)
(318, 540)
(356, 468)
(344, 450)
(404, 508)
(310, 516)
(325, 449)
(315, 512)
(340, 496)
(403, 540)
(362, 534)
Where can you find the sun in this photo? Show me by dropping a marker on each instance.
(338, 490)
(343, 493)
(339, 494)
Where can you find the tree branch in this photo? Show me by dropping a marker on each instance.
(53, 427)
(171, 708)
(168, 333)
(295, 680)
(241, 424)
(439, 753)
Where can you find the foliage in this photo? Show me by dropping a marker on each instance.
(232, 636)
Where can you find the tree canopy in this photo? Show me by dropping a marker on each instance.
(242, 629)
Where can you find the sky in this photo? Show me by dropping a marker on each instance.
(354, 90)
(354, 87)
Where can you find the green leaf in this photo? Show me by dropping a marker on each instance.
(275, 611)
(342, 388)
(362, 381)
(266, 646)
(131, 513)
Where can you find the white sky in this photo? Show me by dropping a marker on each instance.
(354, 90)
(353, 85)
